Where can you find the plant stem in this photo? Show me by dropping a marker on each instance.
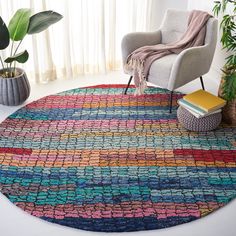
(11, 50)
(15, 68)
(2, 63)
(17, 47)
(15, 54)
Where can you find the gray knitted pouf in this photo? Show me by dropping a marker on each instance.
(192, 123)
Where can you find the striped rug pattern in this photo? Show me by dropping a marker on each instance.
(94, 159)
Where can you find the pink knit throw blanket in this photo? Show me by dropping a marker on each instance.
(140, 60)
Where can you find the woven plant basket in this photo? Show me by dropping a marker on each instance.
(229, 111)
(15, 90)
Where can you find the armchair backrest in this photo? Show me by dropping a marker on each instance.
(175, 23)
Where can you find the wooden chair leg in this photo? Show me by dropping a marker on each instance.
(130, 79)
(202, 83)
(170, 101)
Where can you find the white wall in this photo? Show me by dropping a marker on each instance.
(160, 6)
(206, 5)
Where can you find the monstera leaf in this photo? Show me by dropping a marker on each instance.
(42, 21)
(19, 24)
(20, 57)
(4, 35)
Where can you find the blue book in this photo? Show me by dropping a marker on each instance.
(192, 107)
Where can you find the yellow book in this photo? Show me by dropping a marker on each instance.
(205, 100)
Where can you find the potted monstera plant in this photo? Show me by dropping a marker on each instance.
(227, 10)
(14, 85)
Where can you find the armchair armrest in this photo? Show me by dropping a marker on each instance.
(189, 65)
(132, 41)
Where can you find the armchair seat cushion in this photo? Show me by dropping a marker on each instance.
(159, 73)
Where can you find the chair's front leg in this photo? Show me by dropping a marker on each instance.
(202, 83)
(170, 101)
(130, 79)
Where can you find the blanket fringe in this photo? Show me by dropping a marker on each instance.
(137, 66)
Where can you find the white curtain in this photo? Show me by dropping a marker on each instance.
(86, 41)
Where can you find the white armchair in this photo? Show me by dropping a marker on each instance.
(174, 70)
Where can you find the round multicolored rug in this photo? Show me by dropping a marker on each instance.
(94, 159)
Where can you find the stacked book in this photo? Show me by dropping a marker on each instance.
(201, 103)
